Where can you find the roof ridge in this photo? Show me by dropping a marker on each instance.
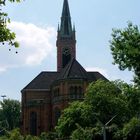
(50, 72)
(82, 69)
(69, 68)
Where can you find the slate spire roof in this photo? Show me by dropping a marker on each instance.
(66, 26)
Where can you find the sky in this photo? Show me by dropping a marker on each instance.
(35, 23)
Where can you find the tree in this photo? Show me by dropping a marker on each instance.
(82, 134)
(76, 113)
(131, 130)
(6, 36)
(103, 101)
(15, 135)
(107, 101)
(10, 113)
(125, 48)
(132, 96)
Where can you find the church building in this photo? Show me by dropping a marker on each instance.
(44, 98)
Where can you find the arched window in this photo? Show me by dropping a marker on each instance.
(71, 91)
(66, 56)
(33, 123)
(56, 92)
(76, 92)
(80, 92)
(57, 113)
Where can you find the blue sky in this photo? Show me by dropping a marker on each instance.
(35, 23)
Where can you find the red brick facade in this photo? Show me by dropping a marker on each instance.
(61, 44)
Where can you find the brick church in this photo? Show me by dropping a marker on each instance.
(49, 93)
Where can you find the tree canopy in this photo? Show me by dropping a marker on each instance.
(9, 114)
(6, 35)
(125, 48)
(103, 101)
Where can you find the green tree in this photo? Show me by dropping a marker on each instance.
(43, 136)
(48, 136)
(28, 137)
(131, 130)
(15, 135)
(125, 48)
(103, 101)
(82, 134)
(132, 96)
(10, 113)
(76, 113)
(107, 101)
(6, 36)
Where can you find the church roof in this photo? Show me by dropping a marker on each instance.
(43, 81)
(94, 76)
(73, 70)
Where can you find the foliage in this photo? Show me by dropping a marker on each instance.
(106, 101)
(77, 112)
(15, 135)
(28, 137)
(132, 96)
(10, 113)
(103, 101)
(131, 130)
(125, 47)
(48, 136)
(6, 36)
(85, 120)
(82, 134)
(43, 136)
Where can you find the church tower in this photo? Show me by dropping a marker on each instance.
(50, 92)
(66, 42)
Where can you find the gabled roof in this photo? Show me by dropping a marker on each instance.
(73, 70)
(43, 81)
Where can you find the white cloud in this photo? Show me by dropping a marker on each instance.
(102, 71)
(36, 44)
(2, 69)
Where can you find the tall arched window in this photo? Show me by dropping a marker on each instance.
(57, 113)
(66, 56)
(71, 91)
(33, 123)
(80, 92)
(75, 92)
(56, 92)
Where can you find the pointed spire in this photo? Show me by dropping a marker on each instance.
(66, 27)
